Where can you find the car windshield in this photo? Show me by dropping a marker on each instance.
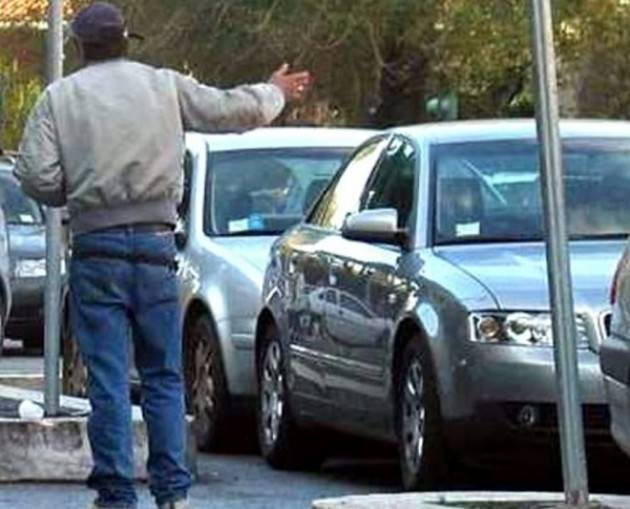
(264, 192)
(17, 207)
(490, 191)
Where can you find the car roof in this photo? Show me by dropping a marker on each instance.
(510, 129)
(283, 137)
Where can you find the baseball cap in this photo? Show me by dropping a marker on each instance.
(100, 23)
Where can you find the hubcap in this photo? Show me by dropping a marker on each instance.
(413, 416)
(203, 389)
(272, 394)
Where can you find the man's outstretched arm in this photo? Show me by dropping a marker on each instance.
(208, 109)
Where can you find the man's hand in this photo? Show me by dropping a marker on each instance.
(293, 85)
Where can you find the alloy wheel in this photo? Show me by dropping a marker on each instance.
(272, 393)
(413, 416)
(203, 390)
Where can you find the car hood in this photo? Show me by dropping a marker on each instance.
(27, 241)
(516, 274)
(252, 250)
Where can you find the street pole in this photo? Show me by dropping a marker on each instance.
(52, 304)
(560, 289)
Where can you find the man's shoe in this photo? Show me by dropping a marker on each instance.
(180, 504)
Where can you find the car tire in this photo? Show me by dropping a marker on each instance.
(283, 444)
(74, 373)
(206, 387)
(421, 450)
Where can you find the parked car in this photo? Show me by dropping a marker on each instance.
(437, 231)
(27, 250)
(241, 192)
(5, 267)
(615, 355)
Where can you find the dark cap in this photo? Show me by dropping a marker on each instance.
(100, 23)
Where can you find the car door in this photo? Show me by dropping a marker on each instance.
(368, 279)
(307, 261)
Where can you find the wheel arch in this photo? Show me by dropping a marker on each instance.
(408, 329)
(265, 319)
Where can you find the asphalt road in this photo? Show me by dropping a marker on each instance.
(228, 482)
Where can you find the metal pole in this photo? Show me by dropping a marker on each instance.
(563, 315)
(52, 305)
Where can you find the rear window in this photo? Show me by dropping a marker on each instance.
(264, 192)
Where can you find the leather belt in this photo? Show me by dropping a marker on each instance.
(163, 261)
(140, 228)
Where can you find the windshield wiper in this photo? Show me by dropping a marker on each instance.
(487, 240)
(601, 236)
(251, 233)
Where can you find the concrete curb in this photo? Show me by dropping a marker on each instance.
(442, 500)
(57, 449)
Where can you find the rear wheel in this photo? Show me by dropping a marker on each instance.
(283, 444)
(74, 371)
(206, 387)
(420, 445)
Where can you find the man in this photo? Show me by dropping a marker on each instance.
(108, 142)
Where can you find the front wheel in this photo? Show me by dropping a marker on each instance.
(206, 386)
(420, 445)
(283, 444)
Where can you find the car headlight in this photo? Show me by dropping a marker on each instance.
(34, 268)
(30, 268)
(522, 329)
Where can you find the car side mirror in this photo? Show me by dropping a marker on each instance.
(377, 225)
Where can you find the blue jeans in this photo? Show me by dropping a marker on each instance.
(113, 300)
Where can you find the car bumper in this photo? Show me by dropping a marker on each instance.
(27, 312)
(503, 391)
(619, 403)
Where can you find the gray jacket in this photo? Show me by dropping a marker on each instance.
(108, 140)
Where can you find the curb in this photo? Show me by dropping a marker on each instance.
(57, 449)
(450, 500)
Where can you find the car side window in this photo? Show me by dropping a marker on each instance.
(343, 197)
(393, 182)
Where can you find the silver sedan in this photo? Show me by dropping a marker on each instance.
(411, 305)
(242, 192)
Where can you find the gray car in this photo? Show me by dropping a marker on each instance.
(433, 235)
(242, 192)
(27, 248)
(615, 355)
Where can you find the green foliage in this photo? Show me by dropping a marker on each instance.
(18, 92)
(377, 62)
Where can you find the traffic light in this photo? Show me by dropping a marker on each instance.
(443, 107)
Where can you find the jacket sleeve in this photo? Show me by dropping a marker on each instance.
(208, 109)
(38, 167)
